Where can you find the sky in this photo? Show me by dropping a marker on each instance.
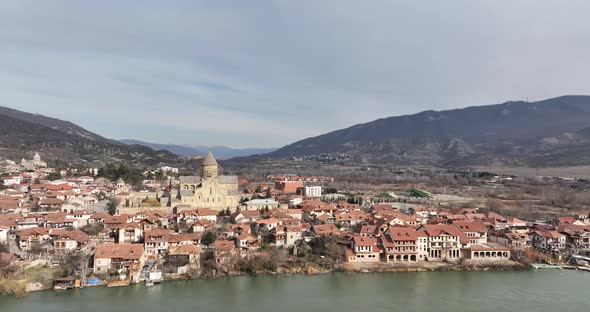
(269, 73)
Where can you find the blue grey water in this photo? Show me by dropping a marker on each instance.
(543, 290)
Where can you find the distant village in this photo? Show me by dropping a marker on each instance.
(96, 231)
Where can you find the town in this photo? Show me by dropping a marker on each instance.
(72, 227)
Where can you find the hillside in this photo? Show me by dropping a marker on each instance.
(514, 133)
(53, 123)
(221, 152)
(23, 134)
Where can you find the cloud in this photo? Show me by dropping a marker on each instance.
(267, 73)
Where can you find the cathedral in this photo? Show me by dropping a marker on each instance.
(33, 164)
(210, 190)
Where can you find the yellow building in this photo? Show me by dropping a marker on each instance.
(210, 190)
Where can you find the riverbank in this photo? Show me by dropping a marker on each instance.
(380, 267)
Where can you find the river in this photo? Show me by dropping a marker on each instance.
(542, 290)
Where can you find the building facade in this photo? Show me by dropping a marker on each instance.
(209, 190)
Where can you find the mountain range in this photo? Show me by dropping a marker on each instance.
(552, 132)
(220, 152)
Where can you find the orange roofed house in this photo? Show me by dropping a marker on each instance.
(112, 257)
(444, 242)
(404, 244)
(365, 249)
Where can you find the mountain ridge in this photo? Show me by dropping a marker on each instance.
(511, 133)
(220, 152)
(22, 134)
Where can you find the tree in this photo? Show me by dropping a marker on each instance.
(112, 205)
(208, 238)
(53, 176)
(331, 190)
(268, 194)
(36, 248)
(92, 229)
(114, 172)
(71, 262)
(4, 248)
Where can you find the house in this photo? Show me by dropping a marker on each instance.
(516, 241)
(80, 215)
(423, 212)
(257, 204)
(444, 242)
(185, 258)
(497, 221)
(147, 224)
(68, 240)
(566, 221)
(313, 209)
(116, 222)
(12, 180)
(476, 231)
(268, 224)
(9, 204)
(59, 220)
(47, 204)
(4, 229)
(365, 249)
(8, 258)
(403, 244)
(156, 243)
(175, 240)
(223, 252)
(295, 200)
(286, 235)
(31, 220)
(118, 257)
(27, 238)
(247, 242)
(245, 216)
(577, 236)
(295, 213)
(326, 218)
(548, 240)
(190, 216)
(324, 230)
(131, 232)
(371, 230)
(202, 226)
(98, 218)
(234, 230)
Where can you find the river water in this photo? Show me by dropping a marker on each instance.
(542, 290)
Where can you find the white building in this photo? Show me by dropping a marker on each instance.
(312, 191)
(9, 181)
(3, 233)
(257, 204)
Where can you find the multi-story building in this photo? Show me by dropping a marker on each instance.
(403, 244)
(444, 242)
(548, 240)
(312, 191)
(476, 231)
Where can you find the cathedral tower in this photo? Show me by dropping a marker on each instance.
(209, 167)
